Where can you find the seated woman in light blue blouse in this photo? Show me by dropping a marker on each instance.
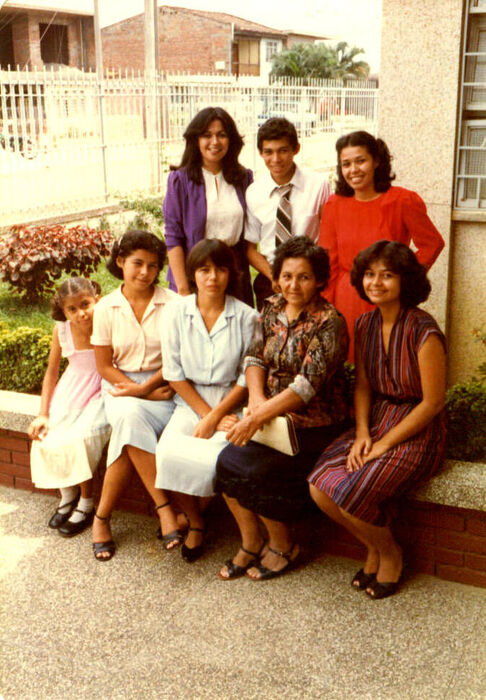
(204, 341)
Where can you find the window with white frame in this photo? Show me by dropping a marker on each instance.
(272, 47)
(471, 156)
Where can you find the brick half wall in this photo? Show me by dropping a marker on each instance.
(444, 541)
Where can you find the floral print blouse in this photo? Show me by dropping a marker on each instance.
(306, 355)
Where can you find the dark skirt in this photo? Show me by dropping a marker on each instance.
(244, 292)
(270, 483)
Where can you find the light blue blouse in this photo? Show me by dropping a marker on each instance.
(214, 358)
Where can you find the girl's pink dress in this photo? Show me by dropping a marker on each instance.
(78, 429)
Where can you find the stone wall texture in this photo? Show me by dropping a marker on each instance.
(418, 106)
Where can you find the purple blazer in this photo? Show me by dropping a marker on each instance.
(185, 212)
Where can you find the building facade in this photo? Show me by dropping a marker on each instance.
(432, 114)
(32, 38)
(196, 41)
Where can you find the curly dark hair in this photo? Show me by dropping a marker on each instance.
(275, 129)
(414, 284)
(302, 247)
(136, 240)
(69, 288)
(233, 171)
(218, 253)
(377, 149)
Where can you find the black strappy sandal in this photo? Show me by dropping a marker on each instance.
(361, 580)
(191, 554)
(235, 570)
(108, 546)
(176, 536)
(266, 573)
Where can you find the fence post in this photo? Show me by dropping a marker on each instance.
(103, 146)
(99, 89)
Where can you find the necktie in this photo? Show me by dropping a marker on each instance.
(283, 222)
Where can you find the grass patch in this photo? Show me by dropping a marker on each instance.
(16, 312)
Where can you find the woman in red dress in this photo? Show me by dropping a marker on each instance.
(365, 209)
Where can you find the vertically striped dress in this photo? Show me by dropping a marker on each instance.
(396, 389)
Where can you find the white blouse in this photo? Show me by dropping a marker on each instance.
(224, 218)
(136, 346)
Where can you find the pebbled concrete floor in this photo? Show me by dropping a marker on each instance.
(148, 625)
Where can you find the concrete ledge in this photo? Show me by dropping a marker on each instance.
(17, 410)
(458, 484)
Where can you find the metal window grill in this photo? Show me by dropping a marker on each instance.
(471, 149)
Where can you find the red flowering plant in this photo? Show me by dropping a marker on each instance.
(32, 258)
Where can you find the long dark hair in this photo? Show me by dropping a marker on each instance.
(377, 149)
(233, 172)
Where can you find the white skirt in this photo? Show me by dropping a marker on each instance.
(134, 421)
(71, 450)
(187, 464)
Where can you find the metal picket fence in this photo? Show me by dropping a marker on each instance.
(70, 142)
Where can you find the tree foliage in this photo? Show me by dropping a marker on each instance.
(307, 61)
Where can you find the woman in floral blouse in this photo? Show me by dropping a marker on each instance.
(294, 365)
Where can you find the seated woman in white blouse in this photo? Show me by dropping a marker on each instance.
(205, 197)
(204, 341)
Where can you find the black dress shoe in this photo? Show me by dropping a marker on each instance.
(58, 518)
(191, 554)
(70, 529)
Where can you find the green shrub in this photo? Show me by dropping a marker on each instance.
(466, 414)
(32, 258)
(23, 359)
(149, 214)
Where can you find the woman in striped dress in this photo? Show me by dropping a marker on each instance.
(399, 396)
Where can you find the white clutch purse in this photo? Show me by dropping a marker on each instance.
(279, 434)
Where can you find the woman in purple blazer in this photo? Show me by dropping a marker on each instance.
(206, 196)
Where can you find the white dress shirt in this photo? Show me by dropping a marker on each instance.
(310, 190)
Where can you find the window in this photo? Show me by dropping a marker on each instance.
(272, 48)
(471, 156)
(248, 57)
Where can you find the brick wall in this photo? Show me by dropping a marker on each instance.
(15, 472)
(439, 540)
(446, 542)
(26, 39)
(187, 42)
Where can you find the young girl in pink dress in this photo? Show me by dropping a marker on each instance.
(71, 430)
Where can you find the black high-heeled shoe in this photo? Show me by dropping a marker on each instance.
(173, 539)
(191, 554)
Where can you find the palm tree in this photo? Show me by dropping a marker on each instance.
(309, 61)
(346, 66)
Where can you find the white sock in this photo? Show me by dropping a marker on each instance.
(85, 505)
(67, 495)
